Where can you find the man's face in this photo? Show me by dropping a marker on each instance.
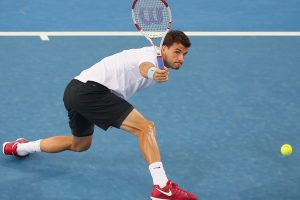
(174, 55)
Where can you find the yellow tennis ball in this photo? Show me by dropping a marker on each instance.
(286, 149)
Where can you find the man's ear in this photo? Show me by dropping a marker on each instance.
(164, 48)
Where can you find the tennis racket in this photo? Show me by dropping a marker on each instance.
(153, 19)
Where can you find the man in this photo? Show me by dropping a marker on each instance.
(98, 96)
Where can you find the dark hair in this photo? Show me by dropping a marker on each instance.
(176, 36)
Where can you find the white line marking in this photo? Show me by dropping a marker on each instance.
(243, 33)
(45, 35)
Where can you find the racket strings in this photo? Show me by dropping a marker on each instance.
(152, 16)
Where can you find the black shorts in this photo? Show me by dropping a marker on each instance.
(90, 104)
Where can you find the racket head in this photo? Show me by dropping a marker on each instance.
(152, 18)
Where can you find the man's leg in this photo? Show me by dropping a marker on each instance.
(82, 129)
(22, 147)
(61, 143)
(144, 129)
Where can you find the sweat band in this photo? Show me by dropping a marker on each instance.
(151, 72)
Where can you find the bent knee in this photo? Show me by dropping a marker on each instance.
(150, 126)
(147, 127)
(81, 148)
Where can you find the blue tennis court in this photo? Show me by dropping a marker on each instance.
(221, 119)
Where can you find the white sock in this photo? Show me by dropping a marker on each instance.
(158, 174)
(24, 149)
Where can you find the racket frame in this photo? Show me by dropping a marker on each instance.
(160, 61)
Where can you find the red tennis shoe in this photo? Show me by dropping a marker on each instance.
(171, 192)
(10, 148)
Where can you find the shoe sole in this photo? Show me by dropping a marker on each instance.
(153, 198)
(3, 147)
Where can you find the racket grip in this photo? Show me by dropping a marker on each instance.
(160, 63)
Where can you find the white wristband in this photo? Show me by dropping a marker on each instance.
(151, 72)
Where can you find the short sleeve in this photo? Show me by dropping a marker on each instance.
(148, 57)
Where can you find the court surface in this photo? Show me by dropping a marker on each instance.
(220, 120)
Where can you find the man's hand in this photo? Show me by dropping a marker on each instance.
(161, 76)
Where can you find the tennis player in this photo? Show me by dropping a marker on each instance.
(98, 96)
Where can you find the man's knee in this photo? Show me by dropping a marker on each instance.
(80, 144)
(147, 127)
(81, 147)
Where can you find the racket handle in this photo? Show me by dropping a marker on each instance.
(160, 63)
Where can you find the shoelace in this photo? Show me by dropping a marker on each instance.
(177, 189)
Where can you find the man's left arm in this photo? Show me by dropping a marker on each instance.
(148, 70)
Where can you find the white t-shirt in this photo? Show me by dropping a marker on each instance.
(120, 72)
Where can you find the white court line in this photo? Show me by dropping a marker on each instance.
(46, 35)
